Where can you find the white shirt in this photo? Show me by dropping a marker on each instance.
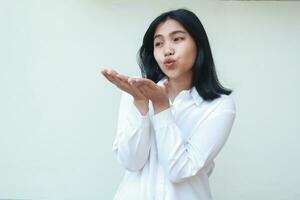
(169, 155)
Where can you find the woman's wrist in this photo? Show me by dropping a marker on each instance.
(160, 106)
(142, 106)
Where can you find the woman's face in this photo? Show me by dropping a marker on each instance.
(174, 50)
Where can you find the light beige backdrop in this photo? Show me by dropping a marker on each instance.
(58, 114)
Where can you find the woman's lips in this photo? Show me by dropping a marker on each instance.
(169, 64)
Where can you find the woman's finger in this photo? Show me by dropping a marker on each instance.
(111, 76)
(136, 92)
(138, 82)
(123, 77)
(148, 85)
(123, 82)
(145, 89)
(147, 82)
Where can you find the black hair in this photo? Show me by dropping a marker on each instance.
(205, 77)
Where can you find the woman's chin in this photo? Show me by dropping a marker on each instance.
(172, 73)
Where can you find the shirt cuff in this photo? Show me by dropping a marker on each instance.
(162, 119)
(135, 118)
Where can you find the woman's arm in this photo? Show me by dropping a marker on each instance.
(132, 142)
(183, 159)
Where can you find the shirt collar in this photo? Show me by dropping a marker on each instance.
(193, 92)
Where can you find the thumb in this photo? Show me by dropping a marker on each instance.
(166, 82)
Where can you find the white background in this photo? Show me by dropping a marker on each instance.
(58, 114)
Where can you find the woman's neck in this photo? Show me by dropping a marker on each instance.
(175, 86)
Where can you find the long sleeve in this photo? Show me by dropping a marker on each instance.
(132, 142)
(182, 159)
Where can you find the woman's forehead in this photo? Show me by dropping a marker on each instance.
(170, 26)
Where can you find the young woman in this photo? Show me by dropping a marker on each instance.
(175, 119)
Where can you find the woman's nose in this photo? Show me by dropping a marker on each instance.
(168, 50)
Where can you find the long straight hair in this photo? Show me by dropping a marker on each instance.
(204, 77)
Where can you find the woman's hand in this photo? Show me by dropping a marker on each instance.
(122, 82)
(157, 94)
(141, 89)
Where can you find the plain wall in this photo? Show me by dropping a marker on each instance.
(58, 114)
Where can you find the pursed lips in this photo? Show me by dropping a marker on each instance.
(168, 61)
(169, 64)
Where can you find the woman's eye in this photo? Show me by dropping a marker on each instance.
(178, 38)
(157, 44)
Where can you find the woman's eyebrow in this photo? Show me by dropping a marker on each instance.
(172, 33)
